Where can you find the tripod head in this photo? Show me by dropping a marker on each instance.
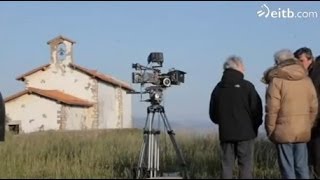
(155, 94)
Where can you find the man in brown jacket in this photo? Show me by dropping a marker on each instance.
(305, 56)
(291, 108)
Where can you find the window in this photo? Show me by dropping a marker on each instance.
(14, 128)
(62, 50)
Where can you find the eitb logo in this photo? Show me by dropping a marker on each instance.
(265, 11)
(285, 13)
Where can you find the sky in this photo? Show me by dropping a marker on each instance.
(195, 37)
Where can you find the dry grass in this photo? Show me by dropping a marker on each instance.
(114, 154)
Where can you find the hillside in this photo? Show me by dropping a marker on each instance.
(114, 154)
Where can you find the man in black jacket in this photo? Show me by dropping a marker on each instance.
(305, 56)
(235, 106)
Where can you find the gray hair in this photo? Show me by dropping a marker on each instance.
(283, 55)
(233, 62)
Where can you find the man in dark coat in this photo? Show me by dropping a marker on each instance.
(305, 56)
(235, 106)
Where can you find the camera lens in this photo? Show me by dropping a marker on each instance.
(166, 82)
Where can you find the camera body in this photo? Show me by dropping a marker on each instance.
(154, 76)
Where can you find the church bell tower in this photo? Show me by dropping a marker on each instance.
(61, 49)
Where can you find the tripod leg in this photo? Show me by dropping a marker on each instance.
(143, 148)
(175, 145)
(151, 146)
(149, 149)
(141, 158)
(157, 152)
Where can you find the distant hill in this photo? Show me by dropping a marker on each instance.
(197, 126)
(189, 125)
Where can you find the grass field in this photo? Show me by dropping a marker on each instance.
(114, 154)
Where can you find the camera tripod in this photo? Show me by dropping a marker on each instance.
(149, 159)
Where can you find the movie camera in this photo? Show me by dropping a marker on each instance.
(152, 74)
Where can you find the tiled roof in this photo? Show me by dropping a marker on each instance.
(61, 37)
(103, 77)
(43, 67)
(54, 95)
